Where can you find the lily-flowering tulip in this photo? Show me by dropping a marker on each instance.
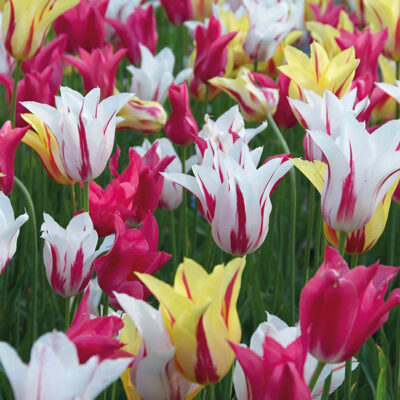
(84, 128)
(269, 24)
(139, 28)
(178, 11)
(142, 116)
(154, 373)
(9, 141)
(354, 185)
(84, 25)
(171, 195)
(69, 253)
(200, 314)
(181, 127)
(25, 25)
(324, 114)
(211, 52)
(133, 250)
(380, 14)
(277, 373)
(278, 330)
(44, 143)
(54, 371)
(342, 308)
(318, 72)
(256, 93)
(234, 196)
(155, 75)
(98, 68)
(9, 230)
(95, 336)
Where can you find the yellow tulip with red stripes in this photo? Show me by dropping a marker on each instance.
(26, 22)
(201, 317)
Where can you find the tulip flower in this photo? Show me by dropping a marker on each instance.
(54, 371)
(155, 75)
(25, 25)
(342, 308)
(154, 373)
(318, 72)
(9, 230)
(95, 336)
(142, 116)
(171, 195)
(380, 14)
(181, 127)
(278, 373)
(98, 68)
(80, 23)
(178, 11)
(324, 114)
(133, 250)
(69, 253)
(9, 141)
(224, 132)
(211, 53)
(279, 331)
(234, 196)
(354, 186)
(200, 314)
(44, 143)
(139, 28)
(269, 24)
(84, 128)
(256, 93)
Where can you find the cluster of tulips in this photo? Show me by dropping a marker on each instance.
(83, 80)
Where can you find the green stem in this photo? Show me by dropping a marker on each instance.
(327, 387)
(397, 364)
(286, 149)
(14, 93)
(105, 305)
(86, 196)
(316, 375)
(206, 100)
(184, 209)
(255, 65)
(113, 390)
(32, 216)
(347, 380)
(353, 260)
(317, 244)
(310, 225)
(173, 242)
(342, 242)
(73, 198)
(67, 312)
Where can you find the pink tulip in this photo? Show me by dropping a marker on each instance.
(181, 126)
(84, 25)
(178, 11)
(284, 116)
(95, 336)
(9, 141)
(278, 373)
(139, 28)
(211, 52)
(134, 250)
(342, 308)
(330, 14)
(98, 68)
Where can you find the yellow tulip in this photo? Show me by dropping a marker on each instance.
(256, 93)
(44, 143)
(200, 314)
(318, 72)
(143, 116)
(26, 22)
(381, 14)
(361, 240)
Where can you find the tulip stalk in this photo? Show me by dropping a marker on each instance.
(67, 312)
(184, 209)
(86, 196)
(310, 224)
(327, 387)
(342, 242)
(316, 374)
(286, 149)
(14, 93)
(32, 215)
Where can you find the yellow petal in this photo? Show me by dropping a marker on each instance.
(313, 170)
